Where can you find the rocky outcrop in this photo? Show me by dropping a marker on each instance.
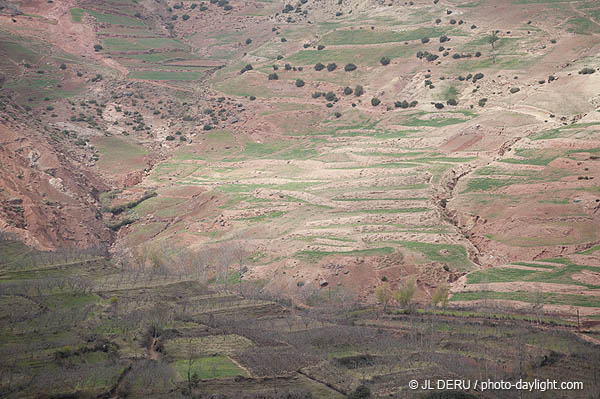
(46, 198)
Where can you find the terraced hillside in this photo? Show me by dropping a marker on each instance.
(433, 157)
(333, 147)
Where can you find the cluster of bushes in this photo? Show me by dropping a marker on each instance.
(458, 56)
(405, 104)
(329, 96)
(330, 67)
(475, 78)
(298, 9)
(587, 71)
(427, 55)
(222, 3)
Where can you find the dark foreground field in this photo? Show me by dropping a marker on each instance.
(77, 325)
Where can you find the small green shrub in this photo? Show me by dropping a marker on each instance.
(248, 67)
(478, 76)
(330, 96)
(350, 67)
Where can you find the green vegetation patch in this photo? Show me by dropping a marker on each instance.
(314, 256)
(531, 297)
(142, 44)
(591, 250)
(166, 75)
(77, 15)
(208, 368)
(367, 36)
(529, 156)
(413, 120)
(264, 216)
(498, 275)
(451, 254)
(391, 211)
(561, 275)
(539, 265)
(582, 26)
(486, 184)
(119, 155)
(159, 206)
(278, 150)
(364, 55)
(221, 344)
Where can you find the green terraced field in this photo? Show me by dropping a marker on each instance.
(141, 44)
(78, 13)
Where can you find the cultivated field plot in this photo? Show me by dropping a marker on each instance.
(139, 42)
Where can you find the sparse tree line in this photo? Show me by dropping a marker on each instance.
(163, 260)
(404, 294)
